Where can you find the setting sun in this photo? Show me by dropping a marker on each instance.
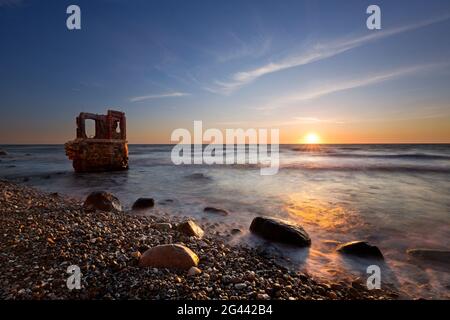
(311, 138)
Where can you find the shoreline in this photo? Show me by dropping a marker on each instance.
(44, 233)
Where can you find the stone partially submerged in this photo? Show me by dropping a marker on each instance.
(277, 230)
(360, 249)
(106, 150)
(143, 203)
(439, 256)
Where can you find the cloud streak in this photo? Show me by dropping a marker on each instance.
(159, 96)
(10, 3)
(311, 120)
(347, 85)
(318, 52)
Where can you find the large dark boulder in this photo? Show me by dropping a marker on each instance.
(103, 201)
(3, 153)
(360, 249)
(143, 203)
(278, 230)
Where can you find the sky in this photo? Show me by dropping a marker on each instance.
(299, 66)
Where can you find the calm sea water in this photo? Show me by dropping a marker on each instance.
(395, 196)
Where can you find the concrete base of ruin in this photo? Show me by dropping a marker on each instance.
(96, 155)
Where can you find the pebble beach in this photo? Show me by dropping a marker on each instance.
(44, 233)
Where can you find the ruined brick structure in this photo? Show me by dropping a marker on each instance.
(107, 150)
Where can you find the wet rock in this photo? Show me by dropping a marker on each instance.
(440, 256)
(193, 271)
(277, 230)
(3, 153)
(165, 202)
(172, 256)
(198, 176)
(143, 203)
(190, 228)
(101, 200)
(236, 231)
(360, 249)
(217, 211)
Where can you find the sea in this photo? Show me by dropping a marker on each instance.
(396, 197)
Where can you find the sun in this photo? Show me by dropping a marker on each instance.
(311, 138)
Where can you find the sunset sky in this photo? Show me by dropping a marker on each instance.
(300, 66)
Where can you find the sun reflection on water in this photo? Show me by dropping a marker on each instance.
(317, 213)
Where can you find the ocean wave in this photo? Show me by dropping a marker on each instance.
(424, 156)
(362, 167)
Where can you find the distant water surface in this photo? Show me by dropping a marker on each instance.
(395, 196)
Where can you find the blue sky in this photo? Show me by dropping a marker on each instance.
(300, 66)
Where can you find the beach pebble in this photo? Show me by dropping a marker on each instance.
(163, 226)
(227, 279)
(250, 276)
(263, 296)
(240, 286)
(190, 228)
(193, 271)
(136, 255)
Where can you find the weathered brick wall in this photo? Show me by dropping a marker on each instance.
(90, 155)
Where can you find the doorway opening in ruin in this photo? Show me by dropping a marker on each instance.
(89, 128)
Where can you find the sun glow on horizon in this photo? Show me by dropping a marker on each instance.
(311, 138)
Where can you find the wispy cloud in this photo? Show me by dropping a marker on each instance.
(346, 85)
(318, 52)
(310, 120)
(255, 49)
(278, 123)
(10, 3)
(159, 96)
